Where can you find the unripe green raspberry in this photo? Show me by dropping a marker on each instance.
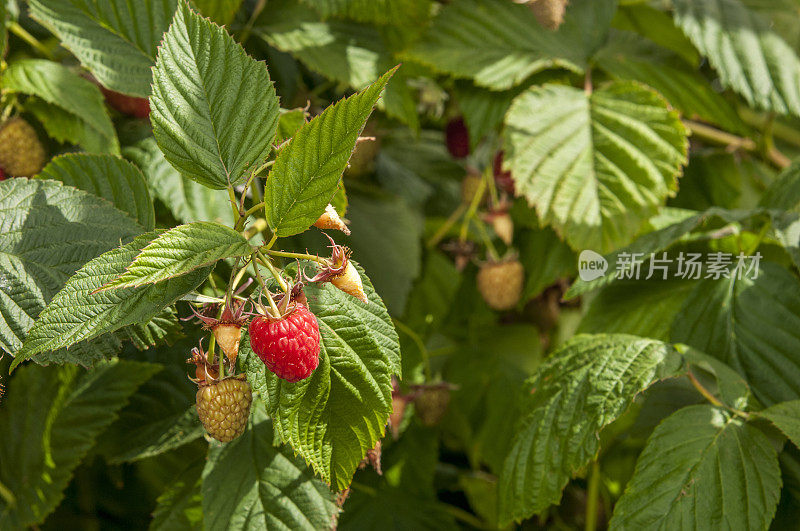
(224, 407)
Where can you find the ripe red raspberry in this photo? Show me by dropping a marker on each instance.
(502, 179)
(457, 138)
(130, 105)
(224, 407)
(289, 346)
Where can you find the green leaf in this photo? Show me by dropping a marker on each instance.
(786, 417)
(49, 231)
(67, 128)
(163, 328)
(498, 44)
(784, 192)
(187, 200)
(686, 90)
(483, 110)
(79, 312)
(660, 239)
(348, 52)
(385, 237)
(252, 483)
(179, 251)
(220, 11)
(214, 109)
(115, 39)
(644, 308)
(657, 26)
(396, 509)
(595, 167)
(60, 86)
(307, 171)
(180, 506)
(415, 168)
(702, 469)
(49, 422)
(105, 176)
(351, 53)
(729, 385)
(546, 259)
(338, 413)
(289, 123)
(583, 387)
(161, 415)
(394, 12)
(750, 57)
(486, 406)
(750, 325)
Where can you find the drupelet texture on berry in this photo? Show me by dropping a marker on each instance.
(289, 346)
(224, 407)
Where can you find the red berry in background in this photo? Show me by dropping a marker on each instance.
(457, 138)
(2, 175)
(502, 179)
(288, 346)
(130, 105)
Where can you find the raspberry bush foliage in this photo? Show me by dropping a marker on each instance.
(309, 264)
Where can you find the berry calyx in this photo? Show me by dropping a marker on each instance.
(340, 271)
(227, 329)
(224, 407)
(500, 283)
(21, 153)
(457, 138)
(288, 345)
(330, 220)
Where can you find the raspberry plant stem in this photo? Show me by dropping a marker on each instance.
(449, 222)
(8, 496)
(268, 263)
(23, 34)
(487, 240)
(473, 207)
(593, 495)
(299, 256)
(212, 349)
(264, 289)
(232, 196)
(711, 398)
(254, 209)
(238, 278)
(420, 345)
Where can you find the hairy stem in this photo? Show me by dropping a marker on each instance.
(449, 222)
(23, 34)
(298, 256)
(592, 498)
(473, 207)
(420, 345)
(275, 273)
(733, 142)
